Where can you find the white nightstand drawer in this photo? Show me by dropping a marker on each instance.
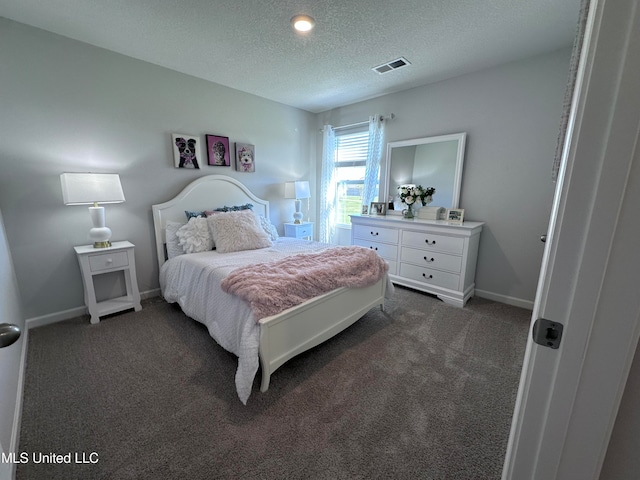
(106, 261)
(430, 276)
(373, 233)
(299, 230)
(383, 249)
(429, 259)
(431, 241)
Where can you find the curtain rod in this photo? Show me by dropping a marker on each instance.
(391, 116)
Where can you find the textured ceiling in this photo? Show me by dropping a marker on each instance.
(249, 44)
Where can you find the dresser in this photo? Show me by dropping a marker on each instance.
(429, 255)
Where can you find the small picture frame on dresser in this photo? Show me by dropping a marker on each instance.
(455, 216)
(365, 209)
(378, 208)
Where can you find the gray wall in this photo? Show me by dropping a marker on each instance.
(70, 107)
(511, 115)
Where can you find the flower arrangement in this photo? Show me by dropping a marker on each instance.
(410, 194)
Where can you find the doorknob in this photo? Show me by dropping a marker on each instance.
(9, 334)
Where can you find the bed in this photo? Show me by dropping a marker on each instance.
(272, 340)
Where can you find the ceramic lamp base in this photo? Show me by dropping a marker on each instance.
(100, 234)
(297, 216)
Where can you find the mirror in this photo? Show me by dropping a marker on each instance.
(430, 162)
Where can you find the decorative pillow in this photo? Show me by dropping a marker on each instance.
(268, 228)
(192, 214)
(236, 231)
(235, 208)
(172, 242)
(194, 237)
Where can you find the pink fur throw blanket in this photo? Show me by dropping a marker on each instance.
(273, 287)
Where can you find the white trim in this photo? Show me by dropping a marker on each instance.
(497, 297)
(56, 317)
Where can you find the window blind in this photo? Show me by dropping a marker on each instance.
(351, 149)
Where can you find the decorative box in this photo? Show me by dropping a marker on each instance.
(431, 213)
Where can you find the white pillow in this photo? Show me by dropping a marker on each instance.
(236, 231)
(269, 228)
(194, 237)
(172, 242)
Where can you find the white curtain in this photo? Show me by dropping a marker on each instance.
(374, 157)
(326, 229)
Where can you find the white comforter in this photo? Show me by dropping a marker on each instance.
(193, 281)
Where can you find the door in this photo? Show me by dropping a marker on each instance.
(568, 398)
(11, 359)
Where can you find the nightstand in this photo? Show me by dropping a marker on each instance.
(299, 230)
(119, 257)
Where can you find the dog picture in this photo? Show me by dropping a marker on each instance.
(245, 160)
(218, 151)
(185, 152)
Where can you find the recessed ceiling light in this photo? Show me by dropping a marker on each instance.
(303, 23)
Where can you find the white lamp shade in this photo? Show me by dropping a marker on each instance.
(91, 188)
(299, 189)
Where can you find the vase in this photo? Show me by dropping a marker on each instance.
(408, 212)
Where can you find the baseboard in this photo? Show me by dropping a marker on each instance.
(496, 297)
(74, 312)
(150, 294)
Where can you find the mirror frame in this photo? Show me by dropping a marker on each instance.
(457, 179)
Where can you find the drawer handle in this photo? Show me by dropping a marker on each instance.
(374, 248)
(428, 260)
(109, 260)
(428, 242)
(425, 275)
(374, 234)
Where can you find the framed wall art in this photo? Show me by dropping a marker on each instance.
(186, 150)
(218, 153)
(245, 157)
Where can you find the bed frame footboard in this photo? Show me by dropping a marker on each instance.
(298, 329)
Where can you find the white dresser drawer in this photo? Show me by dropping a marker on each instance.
(105, 261)
(428, 259)
(383, 249)
(427, 240)
(377, 234)
(430, 276)
(428, 255)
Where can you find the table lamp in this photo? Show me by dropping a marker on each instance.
(297, 190)
(93, 189)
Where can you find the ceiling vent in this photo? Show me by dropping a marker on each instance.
(392, 65)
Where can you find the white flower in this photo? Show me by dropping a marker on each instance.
(409, 200)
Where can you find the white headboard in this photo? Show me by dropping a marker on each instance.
(205, 193)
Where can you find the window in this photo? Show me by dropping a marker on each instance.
(351, 159)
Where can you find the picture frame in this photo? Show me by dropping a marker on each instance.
(218, 153)
(455, 216)
(245, 157)
(365, 210)
(186, 150)
(378, 208)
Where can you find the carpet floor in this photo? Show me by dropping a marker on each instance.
(421, 391)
